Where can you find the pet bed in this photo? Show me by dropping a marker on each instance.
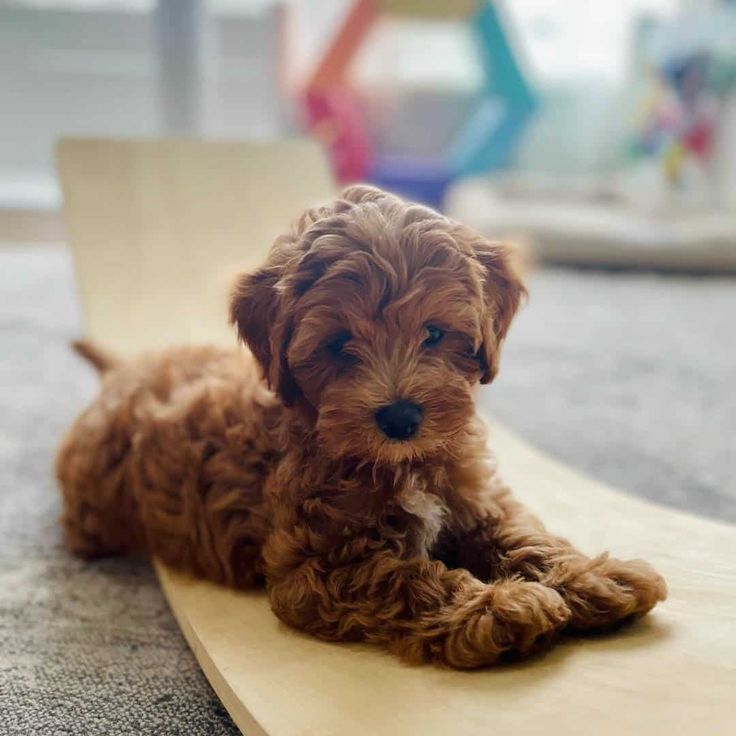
(599, 230)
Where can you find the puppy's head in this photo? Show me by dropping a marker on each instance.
(375, 318)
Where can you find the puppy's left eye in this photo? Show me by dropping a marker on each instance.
(434, 335)
(336, 345)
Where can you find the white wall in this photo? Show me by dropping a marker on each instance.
(90, 69)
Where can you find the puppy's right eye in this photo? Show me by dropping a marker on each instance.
(337, 344)
(434, 336)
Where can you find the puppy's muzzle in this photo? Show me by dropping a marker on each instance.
(400, 420)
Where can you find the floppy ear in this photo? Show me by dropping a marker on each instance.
(503, 291)
(257, 312)
(257, 305)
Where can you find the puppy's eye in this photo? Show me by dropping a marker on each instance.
(434, 335)
(336, 345)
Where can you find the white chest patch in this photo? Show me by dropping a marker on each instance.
(428, 507)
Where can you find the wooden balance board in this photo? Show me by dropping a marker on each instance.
(158, 230)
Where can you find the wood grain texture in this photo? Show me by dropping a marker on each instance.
(158, 230)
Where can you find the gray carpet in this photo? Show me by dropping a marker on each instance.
(631, 378)
(627, 377)
(84, 648)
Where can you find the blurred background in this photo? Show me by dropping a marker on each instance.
(602, 135)
(599, 109)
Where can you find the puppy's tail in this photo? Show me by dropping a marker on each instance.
(101, 359)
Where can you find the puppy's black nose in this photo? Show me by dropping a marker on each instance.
(400, 420)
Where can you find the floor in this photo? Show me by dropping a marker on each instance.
(627, 377)
(630, 378)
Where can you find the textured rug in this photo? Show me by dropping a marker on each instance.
(628, 377)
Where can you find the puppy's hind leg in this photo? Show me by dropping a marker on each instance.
(98, 517)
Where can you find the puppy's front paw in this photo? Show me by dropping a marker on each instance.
(607, 591)
(526, 615)
(508, 618)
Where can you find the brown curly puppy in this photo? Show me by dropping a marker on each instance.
(359, 487)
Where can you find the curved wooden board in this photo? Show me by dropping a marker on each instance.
(138, 214)
(159, 228)
(671, 673)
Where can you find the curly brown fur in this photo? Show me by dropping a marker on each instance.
(412, 542)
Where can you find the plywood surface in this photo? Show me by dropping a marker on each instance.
(672, 673)
(158, 230)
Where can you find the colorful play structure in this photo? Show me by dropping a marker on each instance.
(496, 112)
(663, 197)
(682, 122)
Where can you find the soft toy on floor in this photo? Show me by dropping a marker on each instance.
(355, 480)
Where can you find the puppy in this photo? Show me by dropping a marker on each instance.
(340, 461)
